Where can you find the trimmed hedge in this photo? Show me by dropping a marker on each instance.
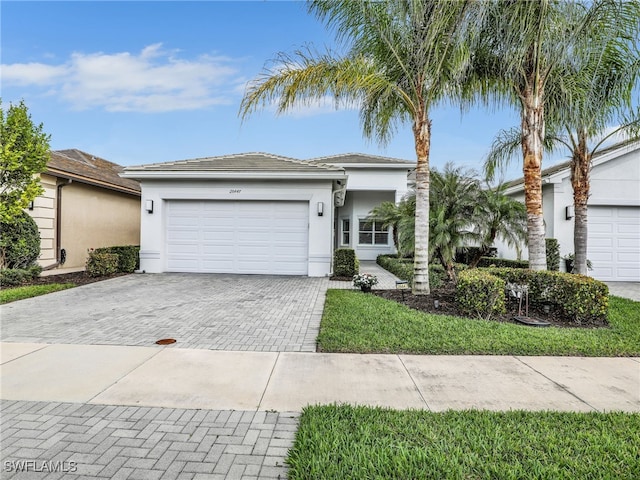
(100, 264)
(12, 277)
(128, 257)
(480, 294)
(577, 297)
(345, 263)
(502, 263)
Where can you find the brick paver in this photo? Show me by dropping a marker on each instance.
(54, 440)
(217, 312)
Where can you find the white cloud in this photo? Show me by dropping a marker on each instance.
(153, 80)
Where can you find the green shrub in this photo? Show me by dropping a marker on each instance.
(502, 263)
(11, 277)
(19, 242)
(577, 297)
(553, 254)
(101, 263)
(345, 263)
(480, 294)
(467, 254)
(128, 257)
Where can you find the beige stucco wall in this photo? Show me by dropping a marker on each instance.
(94, 217)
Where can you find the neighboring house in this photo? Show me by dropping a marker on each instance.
(85, 204)
(613, 244)
(264, 214)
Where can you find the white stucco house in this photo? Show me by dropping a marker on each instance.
(613, 244)
(257, 213)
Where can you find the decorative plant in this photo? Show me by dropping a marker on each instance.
(365, 280)
(571, 257)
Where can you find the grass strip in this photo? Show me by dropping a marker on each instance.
(345, 442)
(362, 323)
(20, 293)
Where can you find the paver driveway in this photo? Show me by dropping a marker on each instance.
(218, 312)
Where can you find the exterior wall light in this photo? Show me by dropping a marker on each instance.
(569, 212)
(149, 206)
(320, 209)
(31, 205)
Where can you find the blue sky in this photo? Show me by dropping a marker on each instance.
(143, 82)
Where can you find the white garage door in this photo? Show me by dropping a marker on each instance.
(237, 237)
(614, 243)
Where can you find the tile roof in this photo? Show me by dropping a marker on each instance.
(86, 168)
(547, 172)
(361, 158)
(255, 162)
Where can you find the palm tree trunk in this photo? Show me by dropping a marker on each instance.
(580, 181)
(422, 138)
(532, 145)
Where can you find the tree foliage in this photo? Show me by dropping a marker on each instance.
(24, 153)
(20, 242)
(402, 58)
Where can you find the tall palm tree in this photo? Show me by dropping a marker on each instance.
(522, 50)
(592, 92)
(403, 57)
(604, 74)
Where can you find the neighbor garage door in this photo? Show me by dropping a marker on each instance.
(237, 237)
(614, 243)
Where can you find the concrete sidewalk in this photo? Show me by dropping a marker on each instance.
(172, 377)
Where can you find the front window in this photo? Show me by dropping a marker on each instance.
(371, 232)
(346, 231)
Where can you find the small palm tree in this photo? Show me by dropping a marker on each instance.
(453, 214)
(499, 217)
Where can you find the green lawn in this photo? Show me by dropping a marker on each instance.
(344, 442)
(19, 293)
(364, 323)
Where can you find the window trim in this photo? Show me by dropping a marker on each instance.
(343, 231)
(373, 233)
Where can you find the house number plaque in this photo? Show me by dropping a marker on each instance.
(235, 190)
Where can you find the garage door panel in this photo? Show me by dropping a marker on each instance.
(183, 235)
(238, 237)
(614, 242)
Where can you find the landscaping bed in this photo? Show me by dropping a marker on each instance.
(77, 278)
(445, 296)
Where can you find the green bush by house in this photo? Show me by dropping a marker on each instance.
(128, 257)
(12, 277)
(345, 263)
(100, 264)
(19, 242)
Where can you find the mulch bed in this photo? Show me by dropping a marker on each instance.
(77, 278)
(446, 297)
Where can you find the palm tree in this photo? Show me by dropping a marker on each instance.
(454, 198)
(400, 218)
(499, 217)
(605, 73)
(591, 93)
(403, 57)
(522, 50)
